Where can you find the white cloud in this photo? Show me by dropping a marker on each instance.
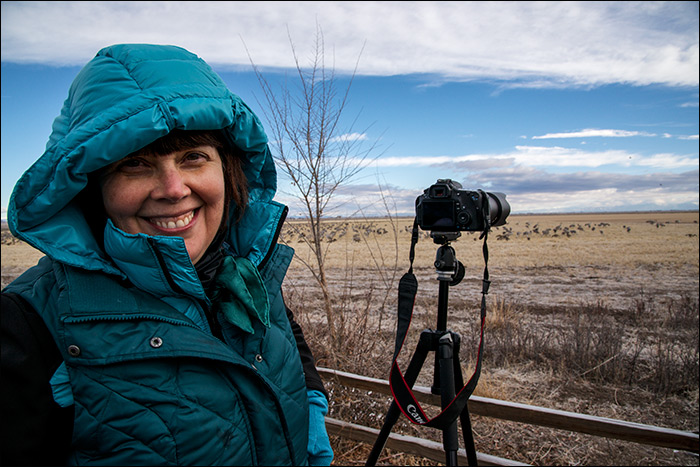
(608, 199)
(668, 161)
(538, 156)
(681, 137)
(350, 137)
(532, 43)
(593, 132)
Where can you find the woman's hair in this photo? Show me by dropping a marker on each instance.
(235, 182)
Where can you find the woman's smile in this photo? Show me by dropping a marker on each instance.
(173, 223)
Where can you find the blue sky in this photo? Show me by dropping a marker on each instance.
(563, 106)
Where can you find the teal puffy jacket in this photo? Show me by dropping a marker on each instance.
(150, 383)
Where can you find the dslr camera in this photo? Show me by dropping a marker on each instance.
(445, 207)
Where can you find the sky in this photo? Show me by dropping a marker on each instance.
(562, 106)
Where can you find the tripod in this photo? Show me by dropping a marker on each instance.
(447, 375)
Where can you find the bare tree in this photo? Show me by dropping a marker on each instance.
(314, 149)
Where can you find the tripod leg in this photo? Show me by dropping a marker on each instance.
(447, 394)
(469, 446)
(391, 417)
(468, 437)
(394, 412)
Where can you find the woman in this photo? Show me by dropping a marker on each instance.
(154, 330)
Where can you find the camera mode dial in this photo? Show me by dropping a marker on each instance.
(463, 217)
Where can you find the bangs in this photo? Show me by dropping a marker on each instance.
(177, 140)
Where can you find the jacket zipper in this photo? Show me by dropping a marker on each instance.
(275, 237)
(173, 285)
(163, 267)
(85, 319)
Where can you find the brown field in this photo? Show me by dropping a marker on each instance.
(611, 258)
(590, 313)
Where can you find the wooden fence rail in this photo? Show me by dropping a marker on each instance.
(599, 426)
(409, 444)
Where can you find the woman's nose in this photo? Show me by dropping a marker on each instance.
(171, 185)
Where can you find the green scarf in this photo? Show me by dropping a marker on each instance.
(241, 294)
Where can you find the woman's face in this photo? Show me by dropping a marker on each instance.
(178, 194)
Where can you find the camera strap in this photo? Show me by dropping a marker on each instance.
(402, 392)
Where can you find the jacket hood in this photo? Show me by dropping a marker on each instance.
(128, 96)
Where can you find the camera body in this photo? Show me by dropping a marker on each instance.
(445, 207)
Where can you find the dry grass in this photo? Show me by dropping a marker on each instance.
(17, 256)
(584, 315)
(591, 313)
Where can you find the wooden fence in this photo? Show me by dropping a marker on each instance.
(599, 426)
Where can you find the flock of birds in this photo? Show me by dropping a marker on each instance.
(331, 232)
(505, 232)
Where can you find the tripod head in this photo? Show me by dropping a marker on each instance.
(443, 238)
(446, 264)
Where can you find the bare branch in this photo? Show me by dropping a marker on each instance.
(305, 123)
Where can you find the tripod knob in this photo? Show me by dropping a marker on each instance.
(447, 265)
(459, 274)
(445, 259)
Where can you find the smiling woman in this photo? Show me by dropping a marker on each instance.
(154, 331)
(180, 193)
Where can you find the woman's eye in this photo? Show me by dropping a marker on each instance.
(195, 157)
(131, 164)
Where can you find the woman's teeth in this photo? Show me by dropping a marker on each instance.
(175, 224)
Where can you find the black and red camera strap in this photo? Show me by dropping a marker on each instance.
(401, 390)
